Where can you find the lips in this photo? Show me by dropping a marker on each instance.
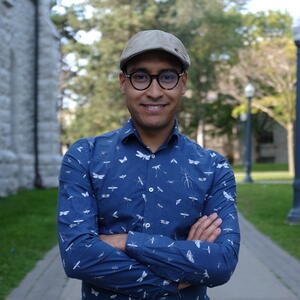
(154, 107)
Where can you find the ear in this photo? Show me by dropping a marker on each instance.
(184, 79)
(122, 80)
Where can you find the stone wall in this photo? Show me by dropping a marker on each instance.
(17, 61)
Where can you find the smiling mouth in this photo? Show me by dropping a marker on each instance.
(154, 108)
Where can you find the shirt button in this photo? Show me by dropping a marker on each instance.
(151, 189)
(152, 155)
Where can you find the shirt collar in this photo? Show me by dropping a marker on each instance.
(128, 131)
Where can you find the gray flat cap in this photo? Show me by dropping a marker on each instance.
(147, 40)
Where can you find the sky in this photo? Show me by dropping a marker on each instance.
(292, 6)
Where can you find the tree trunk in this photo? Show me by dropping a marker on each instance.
(201, 133)
(290, 144)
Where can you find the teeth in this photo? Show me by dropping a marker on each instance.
(154, 106)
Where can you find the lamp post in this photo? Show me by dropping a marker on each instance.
(249, 93)
(294, 214)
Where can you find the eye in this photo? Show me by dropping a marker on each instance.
(168, 76)
(140, 77)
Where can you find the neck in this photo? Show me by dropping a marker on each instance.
(154, 138)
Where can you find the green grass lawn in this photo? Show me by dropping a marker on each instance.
(267, 175)
(262, 167)
(267, 206)
(264, 172)
(27, 231)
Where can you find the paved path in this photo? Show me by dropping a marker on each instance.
(264, 272)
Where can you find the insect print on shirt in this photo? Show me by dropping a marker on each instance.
(144, 197)
(144, 274)
(77, 265)
(160, 189)
(156, 168)
(228, 196)
(193, 199)
(178, 201)
(93, 292)
(127, 199)
(115, 214)
(184, 214)
(173, 161)
(230, 241)
(64, 213)
(142, 155)
(140, 181)
(187, 179)
(232, 216)
(197, 243)
(112, 188)
(165, 222)
(208, 173)
(205, 274)
(202, 179)
(123, 160)
(223, 165)
(194, 162)
(98, 176)
(69, 247)
(152, 240)
(190, 257)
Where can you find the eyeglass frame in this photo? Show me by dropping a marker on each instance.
(179, 75)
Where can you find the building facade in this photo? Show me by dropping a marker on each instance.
(269, 144)
(29, 67)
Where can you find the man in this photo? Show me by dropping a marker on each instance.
(144, 212)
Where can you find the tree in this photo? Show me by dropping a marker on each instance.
(211, 32)
(271, 67)
(93, 78)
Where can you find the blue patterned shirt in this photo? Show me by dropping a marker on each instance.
(112, 184)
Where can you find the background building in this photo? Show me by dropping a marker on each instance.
(269, 142)
(29, 66)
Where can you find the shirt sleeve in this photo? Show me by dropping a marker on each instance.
(196, 262)
(84, 255)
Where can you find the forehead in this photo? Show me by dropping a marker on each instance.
(154, 60)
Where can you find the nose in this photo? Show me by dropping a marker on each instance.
(154, 91)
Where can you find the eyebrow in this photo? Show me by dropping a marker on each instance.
(147, 71)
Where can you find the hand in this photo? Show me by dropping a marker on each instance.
(206, 229)
(115, 240)
(183, 285)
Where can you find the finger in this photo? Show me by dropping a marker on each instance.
(203, 224)
(200, 226)
(204, 234)
(195, 226)
(214, 235)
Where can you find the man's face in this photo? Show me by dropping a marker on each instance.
(153, 109)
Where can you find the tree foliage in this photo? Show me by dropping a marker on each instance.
(227, 49)
(208, 28)
(269, 64)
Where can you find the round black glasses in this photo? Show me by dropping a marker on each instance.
(167, 79)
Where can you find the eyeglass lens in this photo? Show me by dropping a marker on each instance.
(141, 80)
